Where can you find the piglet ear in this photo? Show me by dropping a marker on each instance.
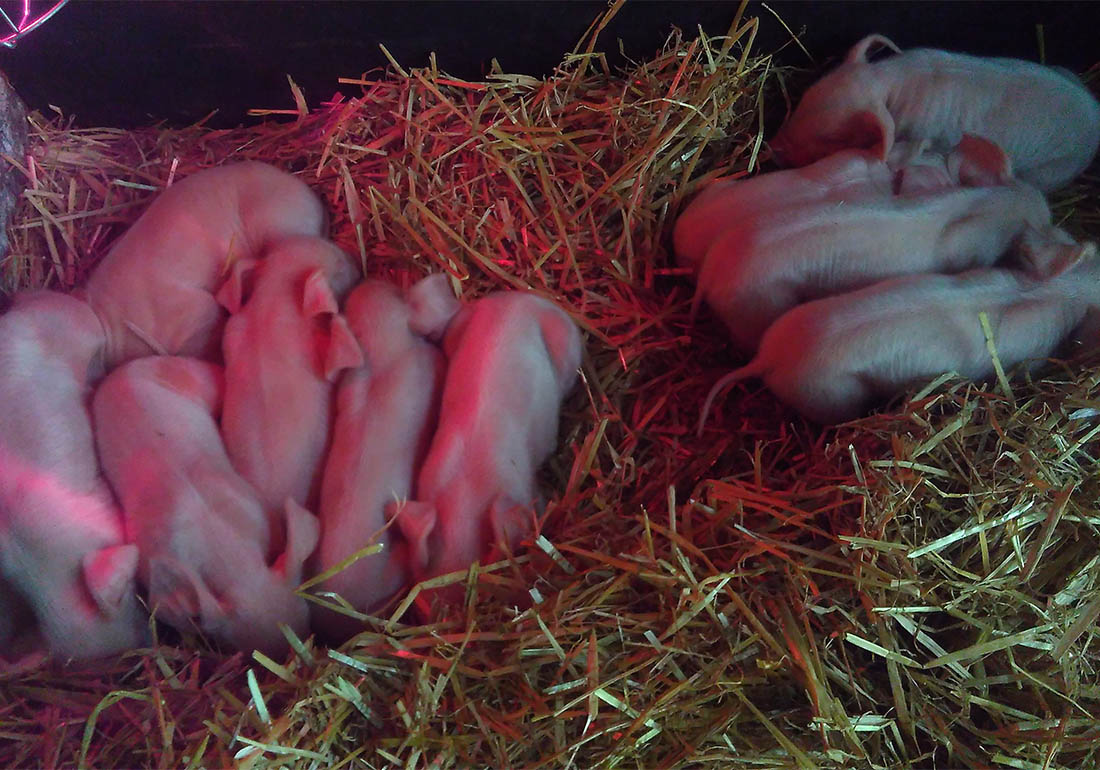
(302, 533)
(861, 50)
(317, 296)
(178, 596)
(416, 520)
(871, 130)
(1049, 252)
(978, 162)
(343, 349)
(432, 305)
(109, 575)
(509, 522)
(563, 343)
(238, 284)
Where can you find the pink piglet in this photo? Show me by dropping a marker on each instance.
(62, 543)
(386, 413)
(511, 358)
(208, 553)
(154, 291)
(284, 346)
(833, 358)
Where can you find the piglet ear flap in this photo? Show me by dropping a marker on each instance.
(978, 162)
(343, 349)
(416, 521)
(563, 343)
(317, 296)
(179, 597)
(509, 522)
(871, 130)
(861, 50)
(237, 285)
(432, 305)
(109, 575)
(1049, 252)
(302, 533)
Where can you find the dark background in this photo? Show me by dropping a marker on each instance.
(130, 64)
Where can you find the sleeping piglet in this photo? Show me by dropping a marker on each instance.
(754, 273)
(833, 358)
(284, 346)
(203, 532)
(62, 544)
(511, 358)
(385, 414)
(847, 176)
(154, 291)
(1044, 120)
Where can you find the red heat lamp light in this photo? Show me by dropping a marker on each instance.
(27, 20)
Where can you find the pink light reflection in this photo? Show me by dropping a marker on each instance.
(26, 24)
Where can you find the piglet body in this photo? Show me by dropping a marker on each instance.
(154, 291)
(1045, 122)
(754, 273)
(832, 358)
(722, 205)
(386, 412)
(203, 532)
(848, 176)
(511, 358)
(284, 346)
(62, 544)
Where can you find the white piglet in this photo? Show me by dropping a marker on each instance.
(208, 555)
(754, 273)
(386, 413)
(848, 176)
(1044, 120)
(511, 358)
(62, 544)
(154, 291)
(284, 347)
(833, 358)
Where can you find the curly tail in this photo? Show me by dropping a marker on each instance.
(753, 368)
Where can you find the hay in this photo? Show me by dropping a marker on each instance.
(915, 589)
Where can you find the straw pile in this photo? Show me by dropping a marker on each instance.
(919, 588)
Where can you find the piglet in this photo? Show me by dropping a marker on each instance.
(1045, 121)
(386, 412)
(62, 544)
(754, 273)
(284, 346)
(833, 358)
(154, 291)
(724, 204)
(203, 531)
(511, 358)
(848, 176)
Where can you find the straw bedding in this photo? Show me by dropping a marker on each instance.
(915, 589)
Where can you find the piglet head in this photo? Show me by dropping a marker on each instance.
(432, 305)
(844, 110)
(238, 601)
(102, 615)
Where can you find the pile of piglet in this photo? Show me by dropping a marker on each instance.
(916, 203)
(225, 409)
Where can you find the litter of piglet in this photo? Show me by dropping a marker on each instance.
(226, 410)
(915, 203)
